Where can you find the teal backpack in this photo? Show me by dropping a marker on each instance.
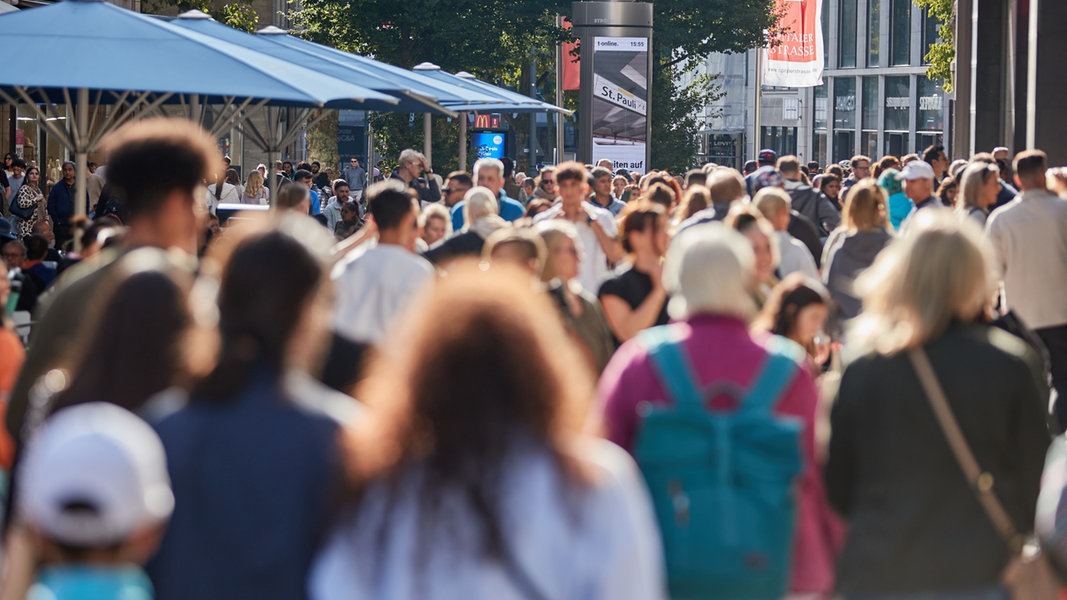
(722, 483)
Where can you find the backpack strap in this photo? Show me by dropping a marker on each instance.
(783, 360)
(672, 366)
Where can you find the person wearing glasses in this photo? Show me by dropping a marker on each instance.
(861, 169)
(456, 186)
(356, 176)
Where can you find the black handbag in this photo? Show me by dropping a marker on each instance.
(22, 213)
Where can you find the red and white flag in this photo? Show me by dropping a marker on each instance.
(797, 58)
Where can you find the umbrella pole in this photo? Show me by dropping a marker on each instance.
(81, 156)
(427, 137)
(462, 141)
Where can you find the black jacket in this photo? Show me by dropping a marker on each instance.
(914, 522)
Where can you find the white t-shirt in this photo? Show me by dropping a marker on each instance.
(594, 267)
(603, 546)
(230, 195)
(374, 286)
(796, 258)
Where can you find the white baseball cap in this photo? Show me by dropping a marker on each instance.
(917, 169)
(92, 475)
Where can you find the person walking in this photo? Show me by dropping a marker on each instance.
(473, 479)
(853, 247)
(916, 526)
(634, 298)
(978, 191)
(28, 204)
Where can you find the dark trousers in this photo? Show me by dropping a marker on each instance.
(1055, 339)
(344, 363)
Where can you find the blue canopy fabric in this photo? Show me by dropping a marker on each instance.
(98, 46)
(444, 92)
(505, 100)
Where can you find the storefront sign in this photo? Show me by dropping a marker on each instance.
(796, 59)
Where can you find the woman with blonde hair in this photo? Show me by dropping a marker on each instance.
(864, 233)
(255, 192)
(980, 184)
(474, 478)
(916, 526)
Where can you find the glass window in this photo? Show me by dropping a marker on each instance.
(870, 103)
(845, 103)
(820, 106)
(869, 143)
(931, 104)
(818, 142)
(874, 32)
(782, 140)
(825, 33)
(896, 144)
(897, 103)
(847, 49)
(925, 140)
(900, 38)
(844, 144)
(930, 34)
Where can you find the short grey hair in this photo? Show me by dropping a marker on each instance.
(488, 163)
(710, 269)
(408, 156)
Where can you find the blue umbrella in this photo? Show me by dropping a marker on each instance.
(120, 56)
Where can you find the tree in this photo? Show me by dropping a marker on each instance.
(942, 52)
(238, 14)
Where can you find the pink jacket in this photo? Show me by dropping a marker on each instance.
(720, 348)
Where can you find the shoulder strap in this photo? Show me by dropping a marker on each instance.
(776, 374)
(671, 365)
(981, 481)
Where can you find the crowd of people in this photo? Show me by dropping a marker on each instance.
(585, 383)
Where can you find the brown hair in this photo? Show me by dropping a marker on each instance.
(571, 171)
(1030, 163)
(291, 195)
(887, 162)
(788, 164)
(661, 194)
(861, 206)
(696, 198)
(455, 407)
(638, 217)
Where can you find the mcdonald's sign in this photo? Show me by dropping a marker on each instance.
(486, 121)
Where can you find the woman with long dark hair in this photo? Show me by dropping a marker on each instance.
(634, 298)
(30, 199)
(474, 478)
(253, 473)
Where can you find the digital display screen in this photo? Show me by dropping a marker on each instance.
(489, 144)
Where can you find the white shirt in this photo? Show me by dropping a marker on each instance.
(374, 286)
(796, 258)
(230, 195)
(1029, 235)
(594, 268)
(605, 546)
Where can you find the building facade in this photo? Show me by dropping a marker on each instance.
(875, 98)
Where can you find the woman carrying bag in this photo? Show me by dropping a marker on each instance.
(28, 204)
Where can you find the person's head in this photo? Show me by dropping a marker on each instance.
(766, 177)
(157, 167)
(1001, 153)
(434, 222)
(68, 172)
(696, 198)
(865, 207)
(272, 303)
(618, 185)
(1030, 167)
(605, 163)
(789, 167)
(949, 189)
(572, 179)
(529, 184)
(262, 168)
(696, 177)
(830, 185)
(773, 204)
(13, 253)
(750, 167)
(287, 166)
(18, 167)
(644, 229)
(563, 247)
(937, 159)
(750, 223)
(353, 162)
(33, 176)
(254, 183)
(709, 270)
(861, 166)
(726, 186)
(835, 170)
(349, 212)
(140, 342)
(479, 203)
(9, 158)
(887, 162)
(489, 173)
(767, 158)
(466, 381)
(908, 158)
(891, 182)
(601, 182)
(43, 228)
(36, 247)
(979, 186)
(957, 167)
(295, 197)
(516, 247)
(661, 194)
(303, 178)
(456, 187)
(94, 487)
(908, 302)
(536, 206)
(796, 309)
(395, 212)
(412, 164)
(547, 181)
(341, 190)
(918, 181)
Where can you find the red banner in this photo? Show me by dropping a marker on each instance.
(572, 67)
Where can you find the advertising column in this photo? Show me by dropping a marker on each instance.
(616, 69)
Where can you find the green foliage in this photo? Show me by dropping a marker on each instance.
(322, 141)
(942, 52)
(238, 14)
(674, 124)
(692, 29)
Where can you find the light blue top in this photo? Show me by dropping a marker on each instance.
(83, 582)
(510, 210)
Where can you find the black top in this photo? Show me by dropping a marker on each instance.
(633, 286)
(915, 523)
(467, 243)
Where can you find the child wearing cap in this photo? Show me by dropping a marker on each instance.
(95, 497)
